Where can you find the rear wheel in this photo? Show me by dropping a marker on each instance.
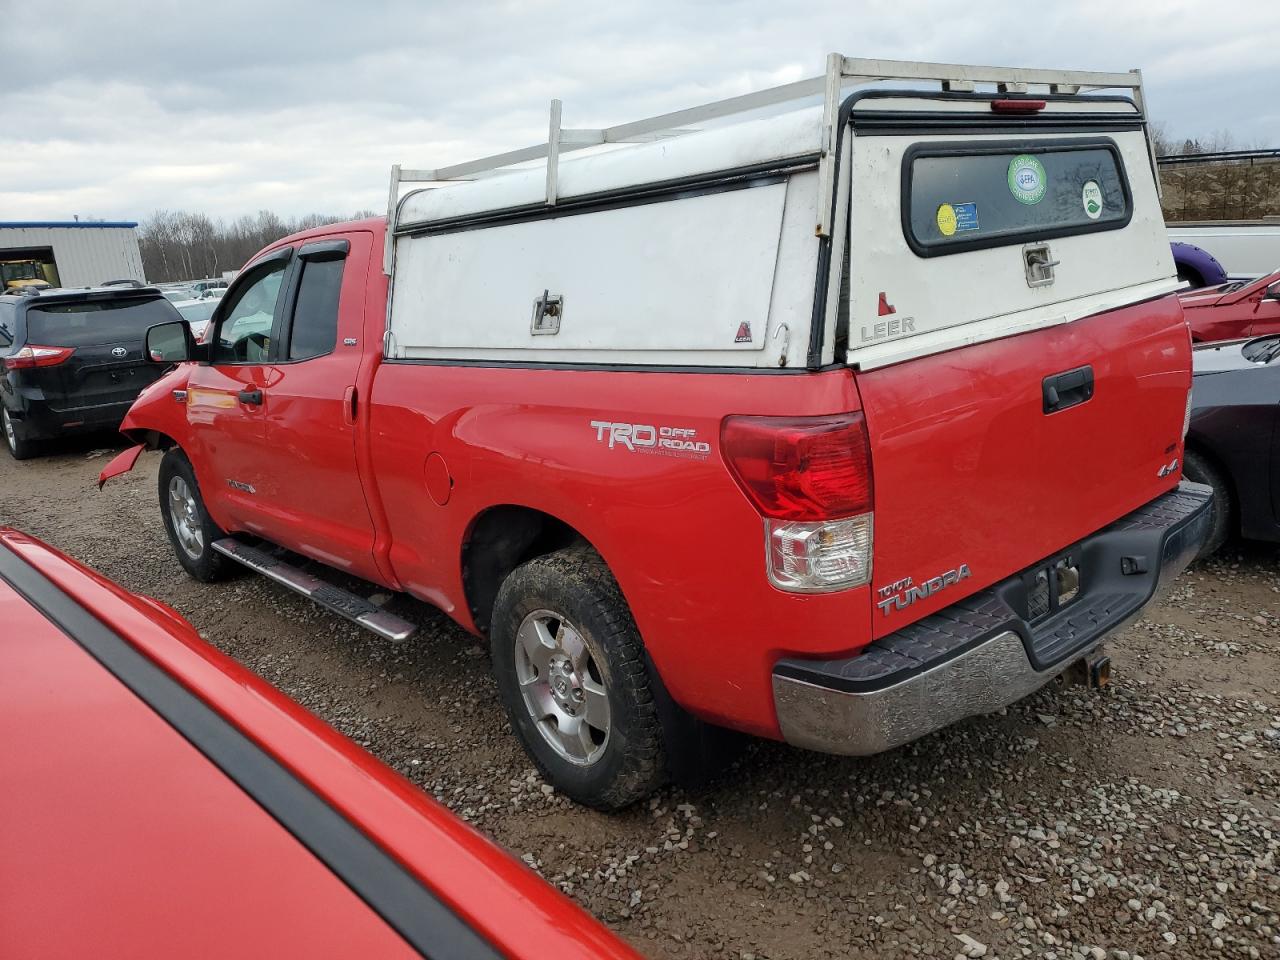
(190, 528)
(570, 668)
(1198, 469)
(19, 447)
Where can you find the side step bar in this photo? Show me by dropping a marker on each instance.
(342, 602)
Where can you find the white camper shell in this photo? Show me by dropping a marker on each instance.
(876, 226)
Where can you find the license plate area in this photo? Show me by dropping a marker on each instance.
(1049, 587)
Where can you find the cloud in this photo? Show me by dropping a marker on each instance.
(303, 107)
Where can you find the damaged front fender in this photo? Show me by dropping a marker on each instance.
(121, 463)
(157, 419)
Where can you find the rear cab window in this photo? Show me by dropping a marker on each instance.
(90, 322)
(968, 196)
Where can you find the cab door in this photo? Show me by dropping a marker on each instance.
(310, 487)
(227, 400)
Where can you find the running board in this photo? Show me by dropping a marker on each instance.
(342, 602)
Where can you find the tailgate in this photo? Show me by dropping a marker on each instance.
(1011, 410)
(971, 474)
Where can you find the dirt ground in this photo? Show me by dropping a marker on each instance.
(1136, 822)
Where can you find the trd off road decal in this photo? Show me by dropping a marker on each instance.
(647, 438)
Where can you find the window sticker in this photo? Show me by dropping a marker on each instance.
(1027, 181)
(946, 219)
(1091, 199)
(966, 217)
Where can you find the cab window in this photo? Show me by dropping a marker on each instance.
(244, 335)
(315, 315)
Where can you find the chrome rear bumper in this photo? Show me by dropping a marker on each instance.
(984, 652)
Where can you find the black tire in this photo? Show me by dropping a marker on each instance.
(1197, 468)
(204, 564)
(575, 584)
(19, 447)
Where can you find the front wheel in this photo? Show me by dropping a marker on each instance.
(191, 530)
(571, 672)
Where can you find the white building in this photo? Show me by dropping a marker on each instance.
(72, 254)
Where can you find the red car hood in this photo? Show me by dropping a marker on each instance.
(1225, 292)
(1204, 297)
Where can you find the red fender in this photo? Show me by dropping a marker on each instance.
(121, 463)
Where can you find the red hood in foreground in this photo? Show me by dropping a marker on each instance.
(164, 801)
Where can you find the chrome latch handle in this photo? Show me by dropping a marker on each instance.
(547, 311)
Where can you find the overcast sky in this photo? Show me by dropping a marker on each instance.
(118, 109)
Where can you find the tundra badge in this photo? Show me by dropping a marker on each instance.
(903, 593)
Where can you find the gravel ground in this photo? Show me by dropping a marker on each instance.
(1136, 822)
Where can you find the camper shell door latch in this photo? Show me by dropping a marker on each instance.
(547, 310)
(1038, 263)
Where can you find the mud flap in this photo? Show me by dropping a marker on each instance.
(121, 463)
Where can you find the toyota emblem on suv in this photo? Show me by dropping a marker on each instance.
(118, 351)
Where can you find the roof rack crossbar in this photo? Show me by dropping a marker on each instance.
(841, 71)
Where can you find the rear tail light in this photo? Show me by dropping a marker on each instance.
(33, 356)
(1186, 418)
(810, 478)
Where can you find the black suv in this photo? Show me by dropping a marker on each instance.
(73, 360)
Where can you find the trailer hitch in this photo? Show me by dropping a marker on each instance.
(1093, 670)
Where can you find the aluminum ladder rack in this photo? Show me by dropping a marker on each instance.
(841, 71)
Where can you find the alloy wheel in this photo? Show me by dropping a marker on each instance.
(184, 513)
(562, 687)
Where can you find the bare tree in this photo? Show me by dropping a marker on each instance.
(178, 245)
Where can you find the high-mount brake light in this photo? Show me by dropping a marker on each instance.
(810, 478)
(1011, 105)
(35, 356)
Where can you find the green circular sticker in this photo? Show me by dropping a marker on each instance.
(1027, 180)
(1091, 199)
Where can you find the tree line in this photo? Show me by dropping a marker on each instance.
(1168, 145)
(179, 245)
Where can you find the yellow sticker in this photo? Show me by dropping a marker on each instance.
(947, 219)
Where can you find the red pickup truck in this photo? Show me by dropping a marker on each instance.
(835, 444)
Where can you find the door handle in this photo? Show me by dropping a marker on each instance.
(1067, 389)
(253, 397)
(349, 406)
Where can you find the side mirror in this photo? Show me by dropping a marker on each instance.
(171, 342)
(1273, 292)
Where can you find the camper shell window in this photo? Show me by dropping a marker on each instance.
(967, 196)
